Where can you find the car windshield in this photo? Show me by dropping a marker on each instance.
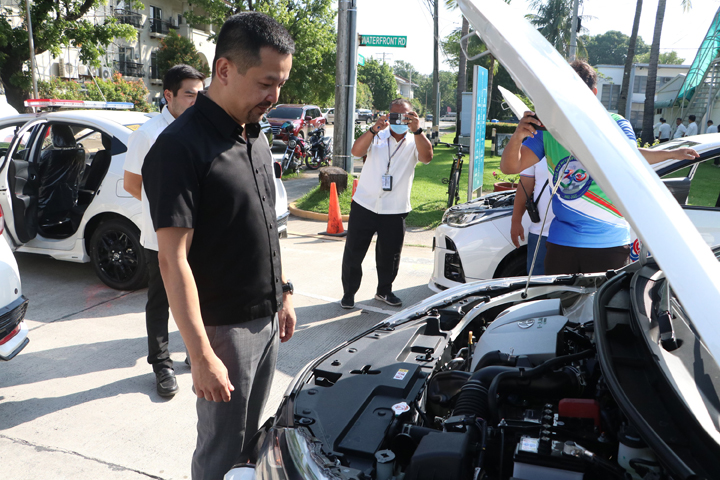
(285, 112)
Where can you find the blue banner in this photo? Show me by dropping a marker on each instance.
(477, 138)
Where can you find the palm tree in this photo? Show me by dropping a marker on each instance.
(622, 102)
(554, 21)
(649, 110)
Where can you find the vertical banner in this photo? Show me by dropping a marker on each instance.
(477, 134)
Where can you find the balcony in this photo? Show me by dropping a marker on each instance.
(159, 28)
(128, 17)
(129, 69)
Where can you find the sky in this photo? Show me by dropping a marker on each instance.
(682, 32)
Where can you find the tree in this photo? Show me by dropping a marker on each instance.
(649, 110)
(363, 99)
(632, 46)
(115, 89)
(405, 70)
(311, 24)
(554, 21)
(665, 58)
(379, 77)
(611, 48)
(176, 50)
(55, 25)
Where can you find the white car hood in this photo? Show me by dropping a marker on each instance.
(575, 117)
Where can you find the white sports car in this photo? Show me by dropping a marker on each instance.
(473, 241)
(61, 187)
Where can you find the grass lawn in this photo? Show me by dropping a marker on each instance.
(429, 194)
(705, 184)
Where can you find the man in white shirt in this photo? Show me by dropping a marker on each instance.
(533, 180)
(181, 85)
(664, 130)
(692, 128)
(710, 127)
(680, 130)
(382, 198)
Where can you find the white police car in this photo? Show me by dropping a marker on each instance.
(13, 305)
(61, 187)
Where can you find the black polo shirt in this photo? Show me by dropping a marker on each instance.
(202, 174)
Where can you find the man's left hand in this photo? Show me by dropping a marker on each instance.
(286, 319)
(413, 121)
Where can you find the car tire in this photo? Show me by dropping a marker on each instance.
(517, 267)
(117, 255)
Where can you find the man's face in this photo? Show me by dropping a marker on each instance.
(185, 98)
(678, 121)
(258, 88)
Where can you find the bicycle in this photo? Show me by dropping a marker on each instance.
(455, 171)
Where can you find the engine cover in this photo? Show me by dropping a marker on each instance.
(526, 329)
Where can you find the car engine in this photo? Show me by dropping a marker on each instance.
(516, 392)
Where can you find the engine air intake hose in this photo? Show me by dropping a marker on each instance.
(473, 400)
(496, 358)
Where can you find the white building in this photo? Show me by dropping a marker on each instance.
(610, 83)
(405, 87)
(135, 59)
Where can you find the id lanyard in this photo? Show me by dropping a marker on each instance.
(393, 154)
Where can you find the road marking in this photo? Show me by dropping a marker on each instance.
(357, 305)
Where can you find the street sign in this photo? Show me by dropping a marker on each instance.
(477, 136)
(361, 60)
(383, 41)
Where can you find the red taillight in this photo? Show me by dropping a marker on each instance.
(15, 331)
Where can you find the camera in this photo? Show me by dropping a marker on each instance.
(397, 118)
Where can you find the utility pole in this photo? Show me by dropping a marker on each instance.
(573, 32)
(436, 76)
(353, 43)
(340, 151)
(31, 42)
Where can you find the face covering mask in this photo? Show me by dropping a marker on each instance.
(399, 129)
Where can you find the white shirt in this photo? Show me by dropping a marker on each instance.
(139, 145)
(712, 129)
(664, 131)
(369, 193)
(691, 129)
(680, 131)
(540, 172)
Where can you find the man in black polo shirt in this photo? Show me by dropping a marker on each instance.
(209, 182)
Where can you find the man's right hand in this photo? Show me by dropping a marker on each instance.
(381, 123)
(516, 232)
(526, 126)
(210, 379)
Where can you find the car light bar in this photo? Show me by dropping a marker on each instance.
(57, 103)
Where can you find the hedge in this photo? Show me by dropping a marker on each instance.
(499, 128)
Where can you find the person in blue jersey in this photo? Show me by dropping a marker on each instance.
(588, 234)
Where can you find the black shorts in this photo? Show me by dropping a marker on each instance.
(561, 259)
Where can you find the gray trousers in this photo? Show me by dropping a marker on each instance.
(249, 351)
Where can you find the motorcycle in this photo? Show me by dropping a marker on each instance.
(320, 152)
(295, 150)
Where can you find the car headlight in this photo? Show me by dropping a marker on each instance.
(292, 453)
(464, 218)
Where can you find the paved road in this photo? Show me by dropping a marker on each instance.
(79, 402)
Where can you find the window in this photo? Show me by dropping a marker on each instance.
(610, 95)
(125, 55)
(640, 84)
(153, 65)
(637, 113)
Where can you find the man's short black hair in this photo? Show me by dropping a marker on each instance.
(586, 72)
(401, 101)
(710, 122)
(679, 118)
(244, 34)
(174, 77)
(691, 118)
(662, 120)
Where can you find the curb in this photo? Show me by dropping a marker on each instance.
(320, 217)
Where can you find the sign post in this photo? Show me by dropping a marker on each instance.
(383, 41)
(477, 134)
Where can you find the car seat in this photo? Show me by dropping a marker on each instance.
(95, 172)
(59, 172)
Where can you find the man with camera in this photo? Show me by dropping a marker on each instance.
(393, 145)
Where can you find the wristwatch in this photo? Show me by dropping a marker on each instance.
(418, 131)
(288, 287)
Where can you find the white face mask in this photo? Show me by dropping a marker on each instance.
(399, 129)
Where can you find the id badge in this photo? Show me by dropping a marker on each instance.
(387, 183)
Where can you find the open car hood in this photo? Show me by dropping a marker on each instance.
(575, 117)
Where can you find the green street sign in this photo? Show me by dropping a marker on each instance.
(383, 41)
(361, 60)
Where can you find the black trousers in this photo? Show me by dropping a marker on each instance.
(363, 225)
(560, 259)
(157, 315)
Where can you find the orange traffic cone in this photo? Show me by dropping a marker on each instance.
(335, 225)
(355, 182)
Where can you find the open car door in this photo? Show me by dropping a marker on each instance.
(19, 180)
